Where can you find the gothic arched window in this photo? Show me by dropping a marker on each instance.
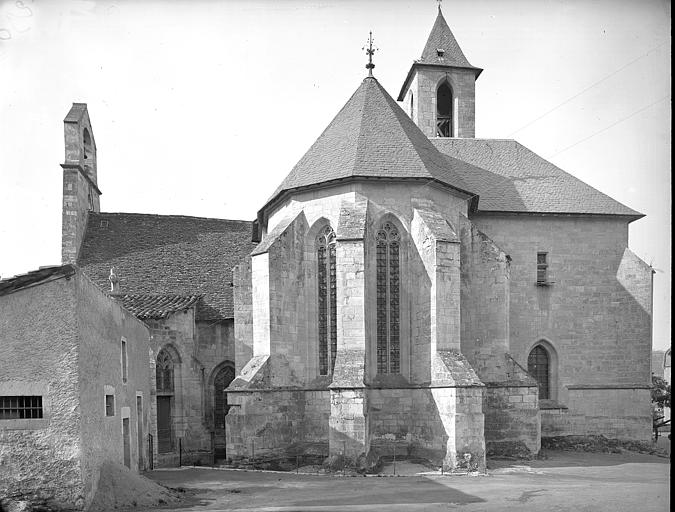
(164, 372)
(444, 110)
(325, 252)
(538, 366)
(388, 299)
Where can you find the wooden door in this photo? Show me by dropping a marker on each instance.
(164, 441)
(127, 442)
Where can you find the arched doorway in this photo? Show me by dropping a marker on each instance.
(538, 365)
(222, 376)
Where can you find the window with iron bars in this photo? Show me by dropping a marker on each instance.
(20, 407)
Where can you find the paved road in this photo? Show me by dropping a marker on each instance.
(576, 482)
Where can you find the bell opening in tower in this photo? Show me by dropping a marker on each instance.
(444, 110)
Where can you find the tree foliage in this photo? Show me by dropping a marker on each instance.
(660, 395)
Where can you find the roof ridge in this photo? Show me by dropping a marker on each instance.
(175, 216)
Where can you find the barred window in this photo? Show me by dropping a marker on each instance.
(388, 299)
(538, 367)
(164, 372)
(542, 267)
(325, 252)
(20, 407)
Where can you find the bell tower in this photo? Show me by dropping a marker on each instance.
(80, 188)
(439, 93)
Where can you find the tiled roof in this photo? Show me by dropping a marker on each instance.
(508, 177)
(372, 137)
(442, 49)
(156, 306)
(34, 277)
(167, 255)
(442, 40)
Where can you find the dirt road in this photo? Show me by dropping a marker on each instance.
(567, 481)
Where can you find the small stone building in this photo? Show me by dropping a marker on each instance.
(74, 387)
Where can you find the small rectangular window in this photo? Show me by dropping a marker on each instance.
(110, 405)
(542, 267)
(20, 407)
(124, 360)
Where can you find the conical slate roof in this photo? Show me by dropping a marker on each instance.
(372, 137)
(442, 48)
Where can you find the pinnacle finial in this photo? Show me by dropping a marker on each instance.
(439, 5)
(370, 51)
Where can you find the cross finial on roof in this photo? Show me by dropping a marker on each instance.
(370, 51)
(439, 5)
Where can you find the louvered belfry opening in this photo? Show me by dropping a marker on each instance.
(388, 299)
(444, 126)
(326, 273)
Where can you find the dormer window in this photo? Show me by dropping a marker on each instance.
(440, 52)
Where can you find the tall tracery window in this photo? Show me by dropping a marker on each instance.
(388, 299)
(538, 366)
(444, 110)
(164, 372)
(325, 251)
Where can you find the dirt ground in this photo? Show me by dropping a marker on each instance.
(565, 481)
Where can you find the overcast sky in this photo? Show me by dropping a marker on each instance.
(202, 108)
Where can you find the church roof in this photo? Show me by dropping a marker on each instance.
(155, 306)
(442, 49)
(167, 255)
(372, 137)
(511, 178)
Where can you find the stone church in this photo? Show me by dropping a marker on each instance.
(407, 288)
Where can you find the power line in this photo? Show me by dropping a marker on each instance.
(586, 89)
(611, 125)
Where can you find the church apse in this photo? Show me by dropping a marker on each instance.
(398, 381)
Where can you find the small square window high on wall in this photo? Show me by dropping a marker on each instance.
(110, 405)
(542, 268)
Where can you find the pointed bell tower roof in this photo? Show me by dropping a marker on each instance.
(442, 50)
(372, 138)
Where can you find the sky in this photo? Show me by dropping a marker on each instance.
(201, 108)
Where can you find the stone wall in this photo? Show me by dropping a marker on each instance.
(512, 420)
(594, 317)
(484, 302)
(243, 314)
(102, 324)
(619, 413)
(278, 422)
(40, 458)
